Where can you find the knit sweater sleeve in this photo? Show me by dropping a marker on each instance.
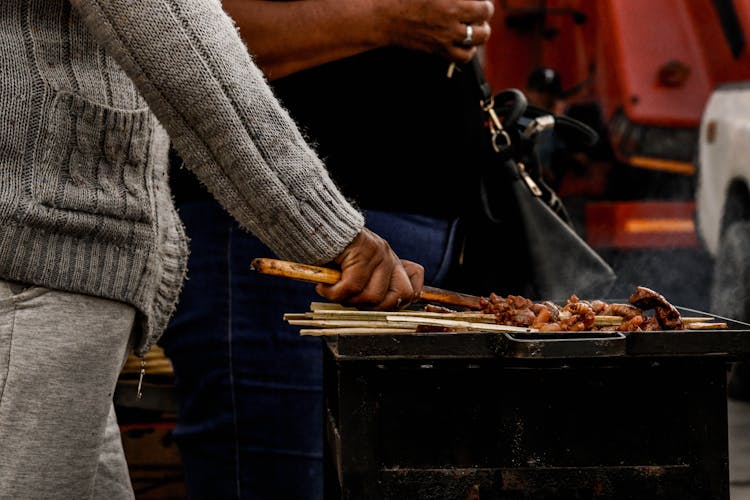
(188, 61)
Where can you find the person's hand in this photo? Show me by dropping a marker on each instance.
(372, 276)
(436, 26)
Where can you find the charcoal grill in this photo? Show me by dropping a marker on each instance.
(501, 416)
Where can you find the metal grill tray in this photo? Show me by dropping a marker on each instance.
(732, 342)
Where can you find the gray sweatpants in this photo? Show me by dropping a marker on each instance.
(60, 357)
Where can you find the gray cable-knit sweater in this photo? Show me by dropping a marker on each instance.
(91, 91)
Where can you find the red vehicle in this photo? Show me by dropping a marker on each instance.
(640, 72)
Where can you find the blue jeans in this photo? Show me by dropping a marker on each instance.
(249, 386)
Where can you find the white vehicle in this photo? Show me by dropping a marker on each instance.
(723, 197)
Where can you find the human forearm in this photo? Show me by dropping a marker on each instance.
(200, 82)
(289, 36)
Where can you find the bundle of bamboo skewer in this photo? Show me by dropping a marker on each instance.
(332, 319)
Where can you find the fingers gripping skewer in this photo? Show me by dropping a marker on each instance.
(317, 274)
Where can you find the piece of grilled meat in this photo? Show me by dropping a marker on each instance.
(666, 314)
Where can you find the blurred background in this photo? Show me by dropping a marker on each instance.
(641, 73)
(665, 196)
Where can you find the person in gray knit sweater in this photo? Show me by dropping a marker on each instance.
(92, 252)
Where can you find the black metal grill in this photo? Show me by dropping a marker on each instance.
(492, 416)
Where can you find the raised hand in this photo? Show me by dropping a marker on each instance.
(451, 28)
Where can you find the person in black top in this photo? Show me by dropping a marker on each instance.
(368, 84)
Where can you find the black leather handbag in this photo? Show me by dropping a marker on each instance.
(520, 239)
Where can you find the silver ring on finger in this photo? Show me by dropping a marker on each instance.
(468, 39)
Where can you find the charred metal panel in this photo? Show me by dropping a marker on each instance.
(617, 427)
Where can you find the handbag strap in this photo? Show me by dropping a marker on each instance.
(511, 103)
(483, 86)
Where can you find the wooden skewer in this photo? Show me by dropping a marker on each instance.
(320, 332)
(330, 306)
(607, 320)
(381, 315)
(351, 324)
(705, 326)
(307, 315)
(324, 275)
(449, 323)
(696, 319)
